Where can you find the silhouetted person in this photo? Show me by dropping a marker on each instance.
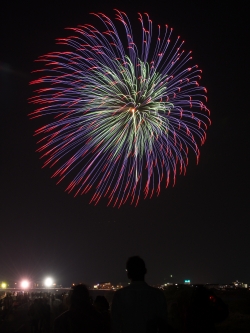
(81, 316)
(138, 308)
(205, 310)
(36, 315)
(102, 306)
(46, 316)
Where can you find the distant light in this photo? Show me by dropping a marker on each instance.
(25, 284)
(48, 282)
(3, 285)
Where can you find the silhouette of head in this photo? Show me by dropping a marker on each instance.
(101, 303)
(136, 268)
(79, 296)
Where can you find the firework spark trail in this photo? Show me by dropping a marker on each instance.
(120, 123)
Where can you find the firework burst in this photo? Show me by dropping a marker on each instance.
(121, 118)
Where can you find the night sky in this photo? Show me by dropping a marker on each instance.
(197, 230)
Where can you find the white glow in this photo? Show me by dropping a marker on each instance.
(48, 282)
(25, 284)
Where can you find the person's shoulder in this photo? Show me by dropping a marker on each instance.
(63, 316)
(121, 290)
(61, 322)
(156, 290)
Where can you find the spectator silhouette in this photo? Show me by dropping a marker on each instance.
(102, 306)
(36, 315)
(46, 315)
(205, 310)
(138, 308)
(81, 316)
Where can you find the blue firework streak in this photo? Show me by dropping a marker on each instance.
(120, 121)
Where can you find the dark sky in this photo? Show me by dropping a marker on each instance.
(198, 230)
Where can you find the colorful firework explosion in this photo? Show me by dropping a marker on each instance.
(120, 121)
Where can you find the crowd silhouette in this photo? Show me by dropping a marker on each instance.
(137, 308)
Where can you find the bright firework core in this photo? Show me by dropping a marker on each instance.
(121, 118)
